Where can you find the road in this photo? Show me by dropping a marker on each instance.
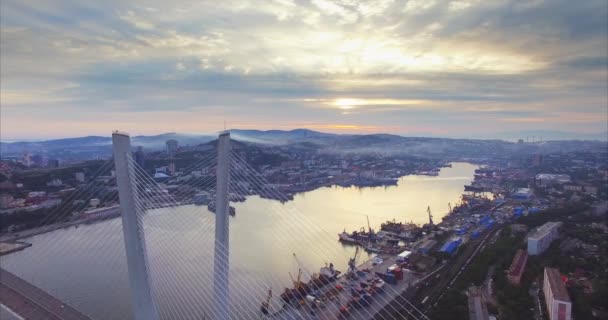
(436, 287)
(538, 309)
(31, 302)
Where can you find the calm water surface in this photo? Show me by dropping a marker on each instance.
(86, 266)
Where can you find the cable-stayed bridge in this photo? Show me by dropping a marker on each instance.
(168, 258)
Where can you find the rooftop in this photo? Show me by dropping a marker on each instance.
(556, 284)
(477, 307)
(518, 263)
(544, 229)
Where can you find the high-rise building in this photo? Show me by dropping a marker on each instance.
(5, 200)
(140, 158)
(79, 176)
(37, 160)
(542, 237)
(171, 168)
(558, 302)
(537, 160)
(53, 163)
(27, 159)
(171, 147)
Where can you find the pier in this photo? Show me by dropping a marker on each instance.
(10, 247)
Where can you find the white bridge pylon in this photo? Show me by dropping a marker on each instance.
(135, 245)
(144, 307)
(221, 265)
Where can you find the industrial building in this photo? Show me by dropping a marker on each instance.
(522, 194)
(517, 267)
(544, 179)
(477, 307)
(426, 246)
(451, 245)
(558, 302)
(541, 238)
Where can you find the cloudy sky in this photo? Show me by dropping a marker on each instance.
(465, 68)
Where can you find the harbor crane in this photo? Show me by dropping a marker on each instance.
(265, 308)
(352, 263)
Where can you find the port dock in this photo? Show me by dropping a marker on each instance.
(335, 299)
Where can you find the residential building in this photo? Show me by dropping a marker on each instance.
(517, 267)
(541, 238)
(558, 302)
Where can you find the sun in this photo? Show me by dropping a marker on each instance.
(347, 103)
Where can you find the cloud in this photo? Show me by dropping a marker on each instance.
(385, 64)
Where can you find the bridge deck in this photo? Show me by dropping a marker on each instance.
(31, 302)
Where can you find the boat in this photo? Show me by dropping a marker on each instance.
(231, 210)
(345, 237)
(371, 248)
(329, 272)
(301, 290)
(398, 227)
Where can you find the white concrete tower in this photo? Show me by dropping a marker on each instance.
(143, 304)
(221, 263)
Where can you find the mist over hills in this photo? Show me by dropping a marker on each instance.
(91, 147)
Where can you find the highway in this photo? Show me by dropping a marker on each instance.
(31, 302)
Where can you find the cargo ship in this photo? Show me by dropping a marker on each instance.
(301, 290)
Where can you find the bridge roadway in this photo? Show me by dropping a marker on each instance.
(31, 302)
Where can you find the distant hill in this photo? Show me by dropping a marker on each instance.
(550, 135)
(279, 136)
(92, 147)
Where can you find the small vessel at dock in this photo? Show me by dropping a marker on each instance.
(301, 291)
(345, 237)
(211, 207)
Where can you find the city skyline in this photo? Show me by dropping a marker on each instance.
(450, 69)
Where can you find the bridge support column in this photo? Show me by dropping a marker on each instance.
(221, 264)
(143, 304)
